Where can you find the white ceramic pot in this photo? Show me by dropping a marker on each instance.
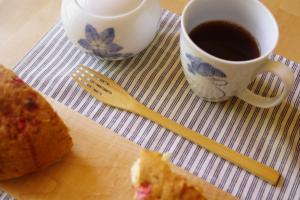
(111, 37)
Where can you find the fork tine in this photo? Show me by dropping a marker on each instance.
(96, 74)
(88, 87)
(105, 79)
(105, 91)
(93, 80)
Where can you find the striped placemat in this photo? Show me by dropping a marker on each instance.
(155, 78)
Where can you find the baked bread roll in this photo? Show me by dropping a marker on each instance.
(32, 136)
(153, 179)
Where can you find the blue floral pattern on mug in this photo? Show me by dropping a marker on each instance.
(102, 44)
(214, 75)
(197, 66)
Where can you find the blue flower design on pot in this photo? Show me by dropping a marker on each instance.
(102, 44)
(213, 75)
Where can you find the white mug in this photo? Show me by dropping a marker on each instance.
(216, 79)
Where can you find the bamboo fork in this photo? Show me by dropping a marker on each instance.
(109, 92)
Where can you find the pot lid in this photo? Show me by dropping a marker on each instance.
(108, 7)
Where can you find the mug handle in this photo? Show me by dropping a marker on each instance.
(285, 75)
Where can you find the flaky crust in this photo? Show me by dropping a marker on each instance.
(163, 184)
(32, 136)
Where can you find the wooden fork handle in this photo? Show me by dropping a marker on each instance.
(264, 172)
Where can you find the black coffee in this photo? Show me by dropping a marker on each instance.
(225, 40)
